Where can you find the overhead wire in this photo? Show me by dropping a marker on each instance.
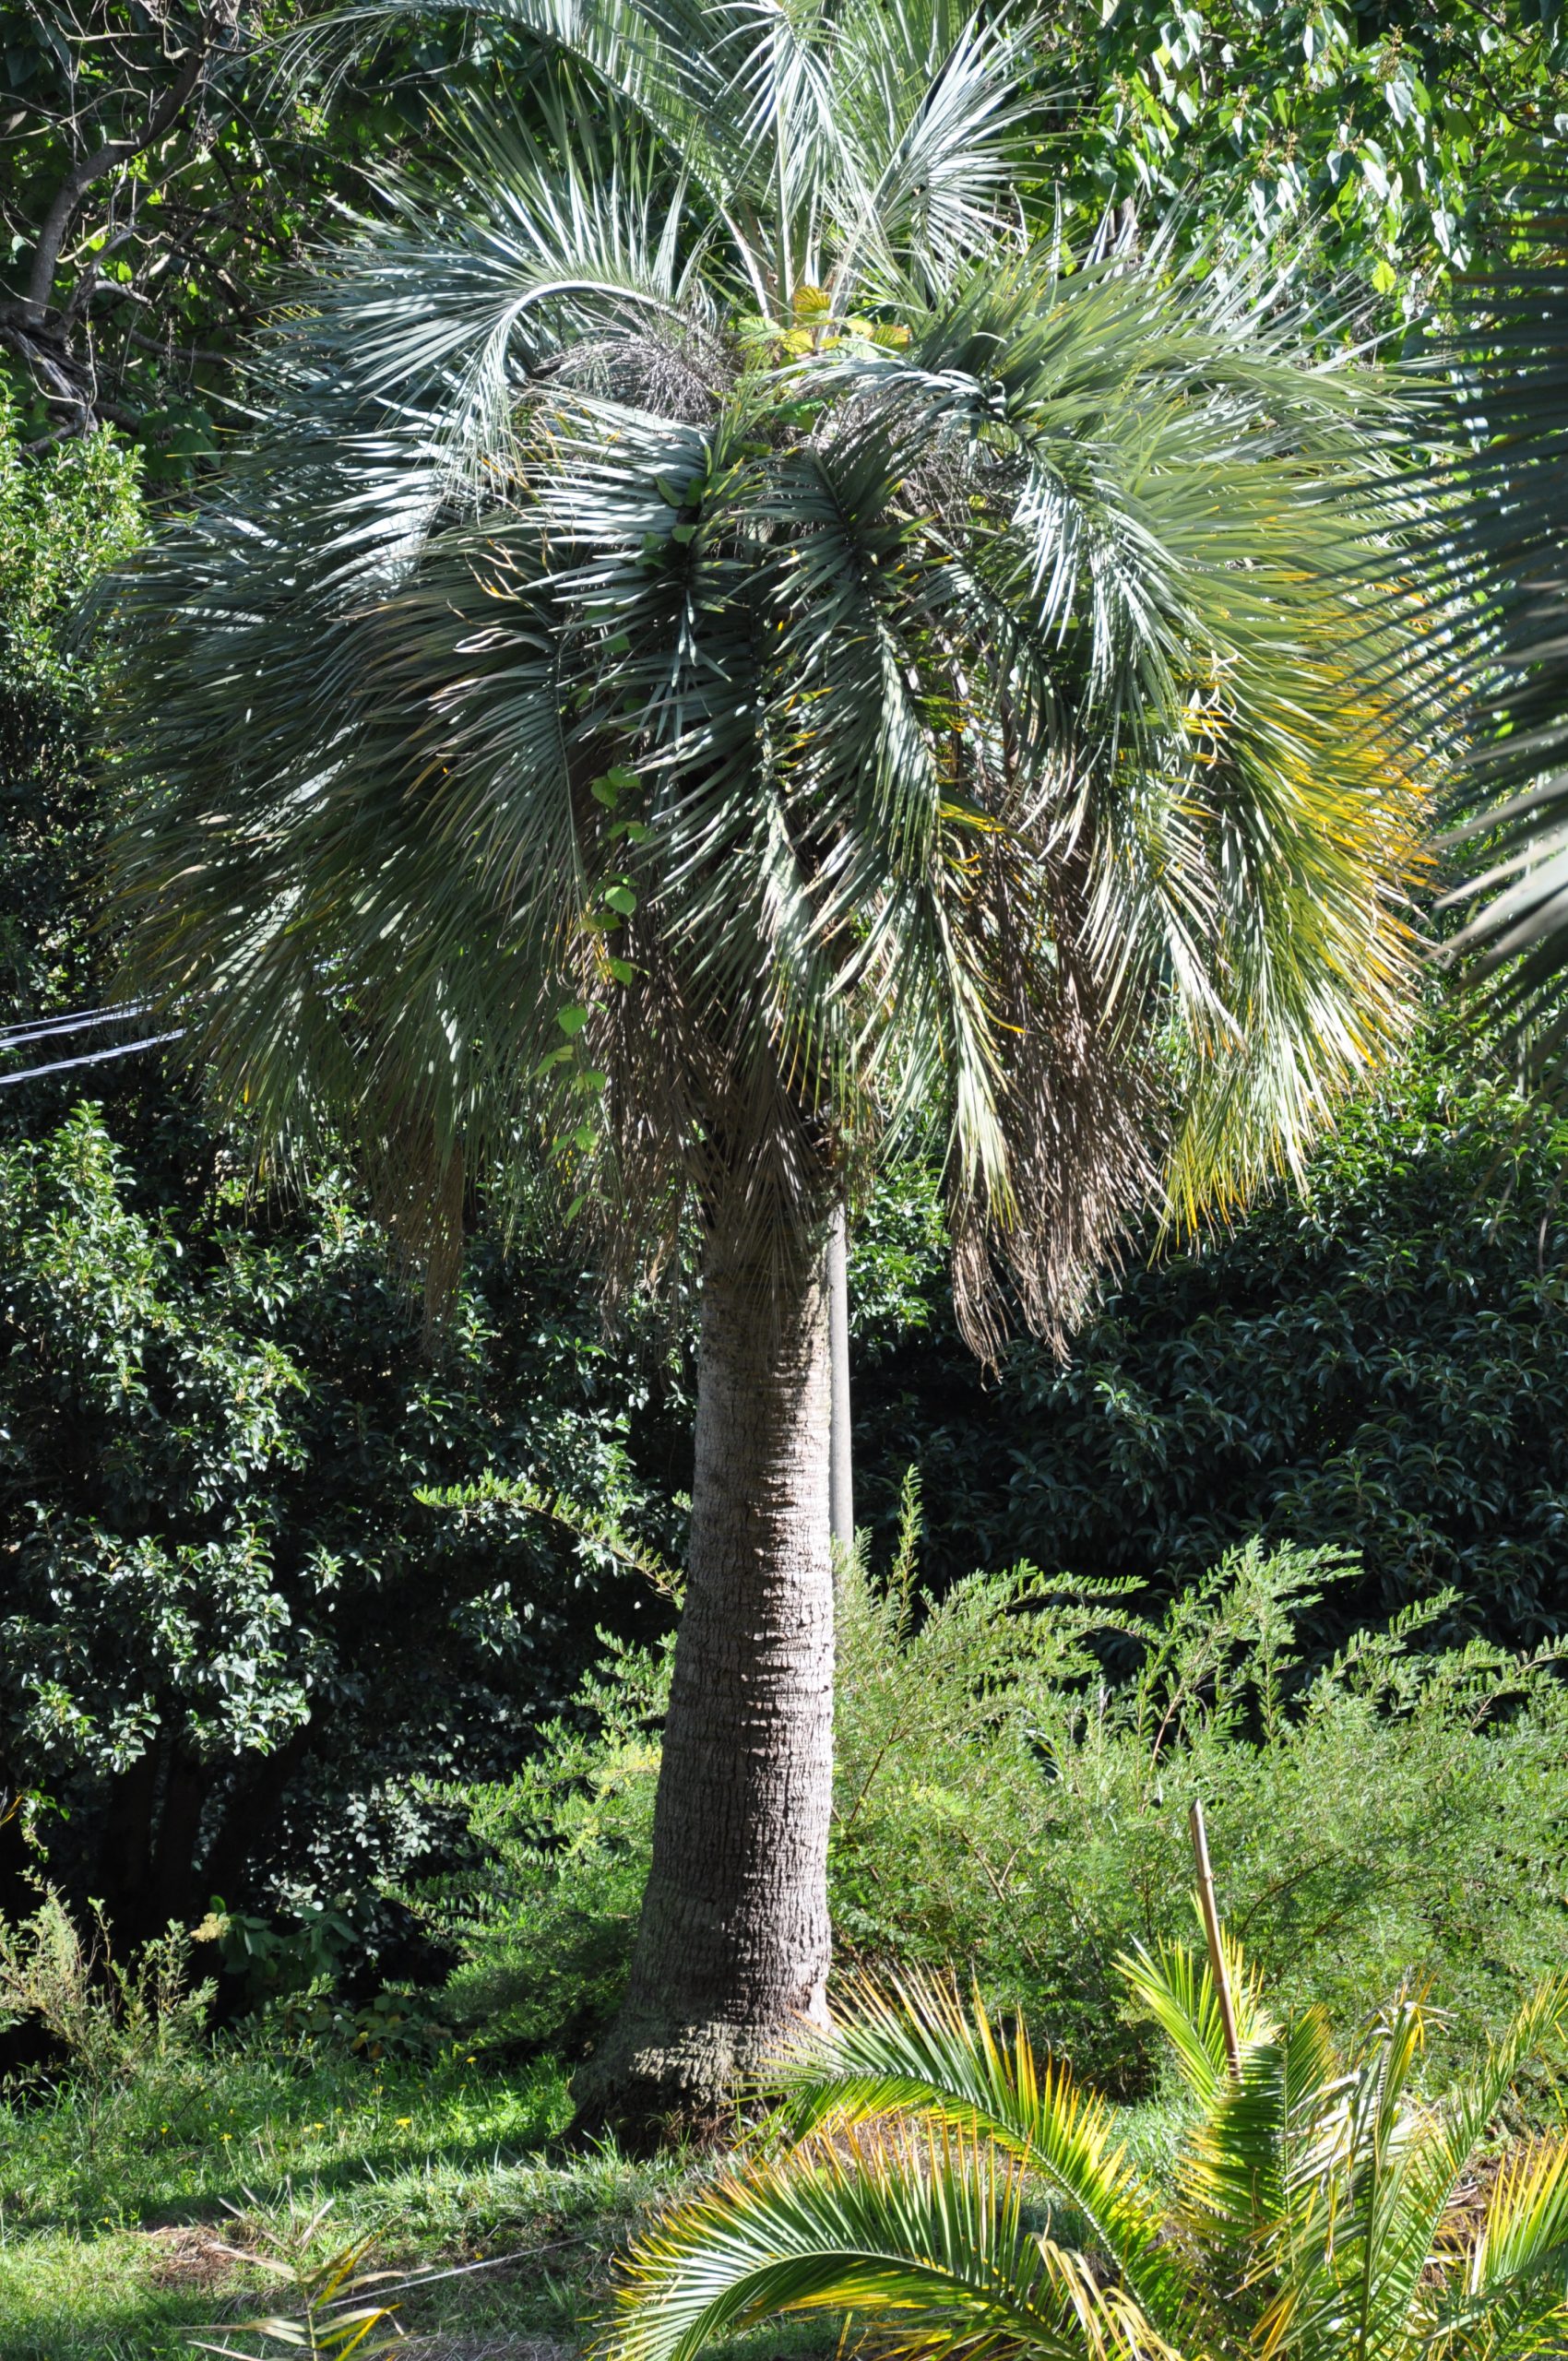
(92, 1057)
(55, 1028)
(12, 1037)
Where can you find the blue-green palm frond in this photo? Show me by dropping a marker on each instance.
(732, 749)
(930, 107)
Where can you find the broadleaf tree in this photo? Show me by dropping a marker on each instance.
(731, 650)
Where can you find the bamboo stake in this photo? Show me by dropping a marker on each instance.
(1210, 1909)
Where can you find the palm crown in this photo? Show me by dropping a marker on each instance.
(727, 648)
(958, 2198)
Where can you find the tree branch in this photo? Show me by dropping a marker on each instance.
(112, 153)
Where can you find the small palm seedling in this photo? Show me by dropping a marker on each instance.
(334, 2312)
(957, 2197)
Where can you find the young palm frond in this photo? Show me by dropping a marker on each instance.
(1320, 2207)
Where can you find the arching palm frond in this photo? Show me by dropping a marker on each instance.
(931, 2234)
(1510, 803)
(1320, 2208)
(913, 2049)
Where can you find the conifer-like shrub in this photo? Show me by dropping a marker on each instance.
(1016, 1764)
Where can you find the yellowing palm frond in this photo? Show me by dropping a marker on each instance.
(911, 2047)
(927, 2230)
(927, 2175)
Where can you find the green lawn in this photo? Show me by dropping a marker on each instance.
(114, 2211)
(111, 2214)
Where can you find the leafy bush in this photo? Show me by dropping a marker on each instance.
(231, 1633)
(1001, 1807)
(1016, 1763)
(63, 518)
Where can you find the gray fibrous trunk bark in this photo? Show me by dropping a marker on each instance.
(732, 1946)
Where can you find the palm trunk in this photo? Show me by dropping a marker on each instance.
(734, 1942)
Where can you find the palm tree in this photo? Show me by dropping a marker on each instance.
(958, 2198)
(729, 655)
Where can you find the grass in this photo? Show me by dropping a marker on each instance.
(112, 2207)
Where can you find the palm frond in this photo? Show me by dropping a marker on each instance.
(1511, 801)
(912, 2047)
(1511, 2295)
(930, 2232)
(1174, 1985)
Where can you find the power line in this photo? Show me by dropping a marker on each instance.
(42, 1028)
(92, 1058)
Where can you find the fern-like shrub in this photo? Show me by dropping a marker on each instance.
(1016, 1764)
(543, 1920)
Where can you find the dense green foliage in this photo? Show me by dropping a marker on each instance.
(229, 1632)
(1375, 1364)
(60, 524)
(194, 171)
(1005, 1805)
(1378, 143)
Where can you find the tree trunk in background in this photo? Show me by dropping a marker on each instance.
(841, 1480)
(733, 1941)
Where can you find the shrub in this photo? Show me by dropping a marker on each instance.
(544, 1914)
(231, 1633)
(113, 2019)
(1016, 1763)
(1401, 1813)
